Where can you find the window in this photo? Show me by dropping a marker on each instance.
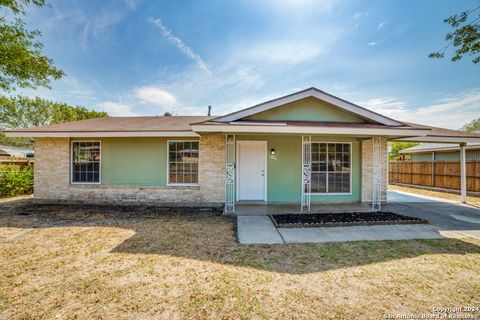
(183, 162)
(86, 162)
(331, 167)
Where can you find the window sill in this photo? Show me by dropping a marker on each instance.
(331, 194)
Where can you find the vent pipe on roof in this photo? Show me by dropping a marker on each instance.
(209, 110)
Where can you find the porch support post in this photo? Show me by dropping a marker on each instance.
(230, 173)
(463, 174)
(306, 173)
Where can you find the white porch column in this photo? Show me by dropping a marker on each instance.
(463, 174)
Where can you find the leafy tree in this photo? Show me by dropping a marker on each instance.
(22, 63)
(23, 112)
(465, 37)
(396, 147)
(472, 126)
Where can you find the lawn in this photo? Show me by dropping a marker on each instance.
(437, 194)
(108, 263)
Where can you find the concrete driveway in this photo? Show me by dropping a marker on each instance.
(448, 219)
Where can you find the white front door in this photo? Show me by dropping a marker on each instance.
(251, 170)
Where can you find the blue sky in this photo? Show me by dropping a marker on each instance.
(138, 57)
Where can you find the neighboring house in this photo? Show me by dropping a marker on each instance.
(441, 151)
(305, 147)
(12, 152)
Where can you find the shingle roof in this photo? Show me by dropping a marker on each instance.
(154, 123)
(424, 147)
(441, 132)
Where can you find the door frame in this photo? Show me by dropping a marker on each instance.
(237, 160)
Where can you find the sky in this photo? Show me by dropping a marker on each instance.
(137, 57)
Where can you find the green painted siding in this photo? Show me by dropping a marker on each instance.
(134, 161)
(284, 181)
(446, 156)
(422, 157)
(308, 109)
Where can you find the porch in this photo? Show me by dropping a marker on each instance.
(447, 219)
(264, 209)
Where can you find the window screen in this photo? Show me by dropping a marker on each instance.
(331, 163)
(183, 162)
(86, 162)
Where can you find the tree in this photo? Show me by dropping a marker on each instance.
(22, 63)
(472, 126)
(396, 147)
(23, 112)
(465, 37)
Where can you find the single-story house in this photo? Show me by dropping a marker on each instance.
(441, 151)
(306, 147)
(13, 152)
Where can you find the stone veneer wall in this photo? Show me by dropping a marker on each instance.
(368, 166)
(52, 179)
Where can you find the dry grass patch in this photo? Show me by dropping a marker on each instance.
(437, 194)
(62, 262)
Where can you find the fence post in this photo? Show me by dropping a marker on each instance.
(433, 168)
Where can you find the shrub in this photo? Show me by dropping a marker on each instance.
(16, 181)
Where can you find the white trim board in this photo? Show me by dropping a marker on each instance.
(312, 92)
(101, 134)
(368, 132)
(440, 139)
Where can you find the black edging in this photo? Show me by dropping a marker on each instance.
(345, 219)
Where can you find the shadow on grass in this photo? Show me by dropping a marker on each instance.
(211, 237)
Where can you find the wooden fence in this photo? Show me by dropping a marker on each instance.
(15, 162)
(438, 174)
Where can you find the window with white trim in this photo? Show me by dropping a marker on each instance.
(85, 162)
(183, 162)
(331, 167)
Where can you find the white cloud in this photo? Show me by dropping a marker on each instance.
(381, 25)
(156, 95)
(167, 34)
(116, 109)
(372, 43)
(452, 112)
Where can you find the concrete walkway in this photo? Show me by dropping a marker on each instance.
(357, 233)
(449, 219)
(257, 230)
(260, 230)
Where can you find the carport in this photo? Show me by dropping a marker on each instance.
(440, 135)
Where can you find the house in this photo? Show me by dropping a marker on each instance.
(306, 147)
(441, 151)
(13, 152)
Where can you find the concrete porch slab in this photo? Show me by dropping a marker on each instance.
(257, 230)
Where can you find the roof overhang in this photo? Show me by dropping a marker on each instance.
(99, 134)
(454, 147)
(443, 139)
(312, 92)
(393, 132)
